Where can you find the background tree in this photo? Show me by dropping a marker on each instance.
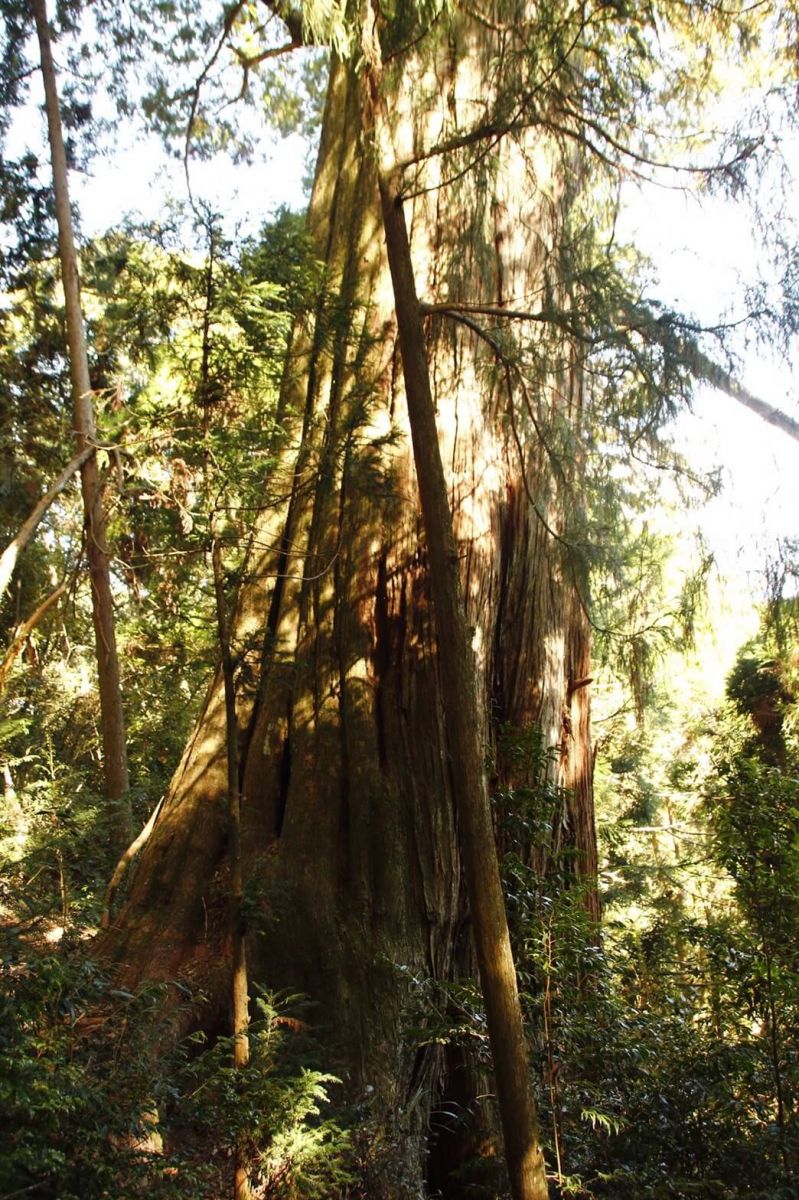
(552, 376)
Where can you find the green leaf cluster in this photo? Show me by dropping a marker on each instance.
(86, 1115)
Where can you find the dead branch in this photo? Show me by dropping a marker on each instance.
(8, 559)
(24, 631)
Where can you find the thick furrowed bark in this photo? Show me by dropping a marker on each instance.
(349, 827)
(168, 927)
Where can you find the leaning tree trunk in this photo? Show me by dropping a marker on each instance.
(112, 720)
(350, 832)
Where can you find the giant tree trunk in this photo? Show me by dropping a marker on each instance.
(349, 821)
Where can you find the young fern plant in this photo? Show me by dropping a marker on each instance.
(77, 1113)
(269, 1112)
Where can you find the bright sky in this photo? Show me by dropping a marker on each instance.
(699, 253)
(140, 179)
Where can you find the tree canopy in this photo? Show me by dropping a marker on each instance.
(454, 878)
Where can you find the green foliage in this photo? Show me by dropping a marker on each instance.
(95, 1099)
(271, 1109)
(663, 1053)
(666, 1055)
(760, 686)
(186, 355)
(72, 1105)
(525, 797)
(699, 983)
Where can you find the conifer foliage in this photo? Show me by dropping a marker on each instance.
(371, 495)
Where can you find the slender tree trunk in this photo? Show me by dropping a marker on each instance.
(350, 814)
(240, 1017)
(464, 736)
(8, 559)
(23, 632)
(464, 726)
(115, 763)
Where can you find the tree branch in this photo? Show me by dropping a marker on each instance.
(291, 18)
(8, 559)
(714, 374)
(24, 631)
(667, 331)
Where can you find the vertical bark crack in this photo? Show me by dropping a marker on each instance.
(381, 654)
(284, 781)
